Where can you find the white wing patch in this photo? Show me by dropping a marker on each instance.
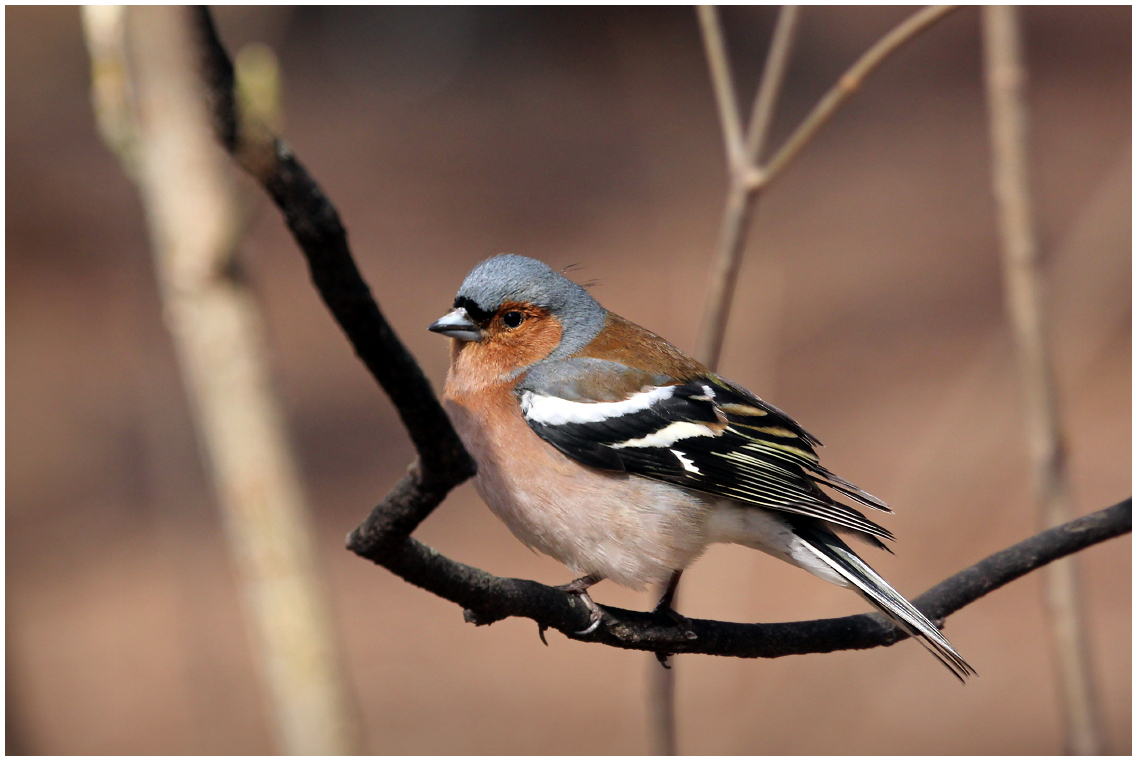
(688, 465)
(551, 410)
(668, 435)
(707, 396)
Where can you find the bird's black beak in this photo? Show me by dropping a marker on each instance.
(457, 324)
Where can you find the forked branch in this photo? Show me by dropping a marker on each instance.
(749, 176)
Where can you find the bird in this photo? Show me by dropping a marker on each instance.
(607, 448)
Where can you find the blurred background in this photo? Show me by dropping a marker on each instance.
(869, 308)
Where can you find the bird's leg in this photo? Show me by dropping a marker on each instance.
(579, 587)
(664, 604)
(663, 607)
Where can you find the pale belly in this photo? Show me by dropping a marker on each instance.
(629, 529)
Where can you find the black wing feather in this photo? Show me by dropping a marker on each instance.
(757, 454)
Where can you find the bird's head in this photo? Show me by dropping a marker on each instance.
(519, 311)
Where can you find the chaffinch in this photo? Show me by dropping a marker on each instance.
(602, 445)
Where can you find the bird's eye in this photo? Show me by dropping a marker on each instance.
(512, 319)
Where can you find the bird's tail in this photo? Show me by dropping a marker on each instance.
(834, 553)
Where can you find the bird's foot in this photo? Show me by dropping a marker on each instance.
(663, 608)
(684, 624)
(579, 587)
(594, 612)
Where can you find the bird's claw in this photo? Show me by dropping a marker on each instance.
(580, 589)
(678, 619)
(594, 612)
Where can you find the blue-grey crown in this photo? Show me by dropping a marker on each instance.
(510, 277)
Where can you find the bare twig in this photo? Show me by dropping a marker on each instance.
(661, 708)
(742, 196)
(740, 205)
(316, 226)
(165, 139)
(723, 83)
(748, 178)
(385, 537)
(773, 73)
(847, 84)
(743, 154)
(1006, 78)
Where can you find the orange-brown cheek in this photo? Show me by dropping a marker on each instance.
(534, 343)
(492, 363)
(501, 354)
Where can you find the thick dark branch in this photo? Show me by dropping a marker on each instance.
(385, 536)
(489, 598)
(316, 226)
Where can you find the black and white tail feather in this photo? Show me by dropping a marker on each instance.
(830, 550)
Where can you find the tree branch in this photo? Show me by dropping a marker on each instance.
(1023, 284)
(315, 223)
(384, 537)
(742, 165)
(723, 84)
(742, 195)
(642, 631)
(748, 178)
(777, 60)
(153, 114)
(847, 84)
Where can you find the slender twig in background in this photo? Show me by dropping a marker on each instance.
(662, 734)
(742, 162)
(743, 150)
(748, 177)
(153, 114)
(723, 83)
(769, 87)
(849, 83)
(1023, 284)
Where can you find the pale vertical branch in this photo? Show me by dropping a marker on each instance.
(111, 93)
(719, 63)
(742, 154)
(1023, 286)
(849, 83)
(749, 177)
(773, 73)
(218, 335)
(662, 735)
(742, 193)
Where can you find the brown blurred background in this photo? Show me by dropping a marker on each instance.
(870, 308)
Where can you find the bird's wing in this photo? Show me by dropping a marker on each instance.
(707, 434)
